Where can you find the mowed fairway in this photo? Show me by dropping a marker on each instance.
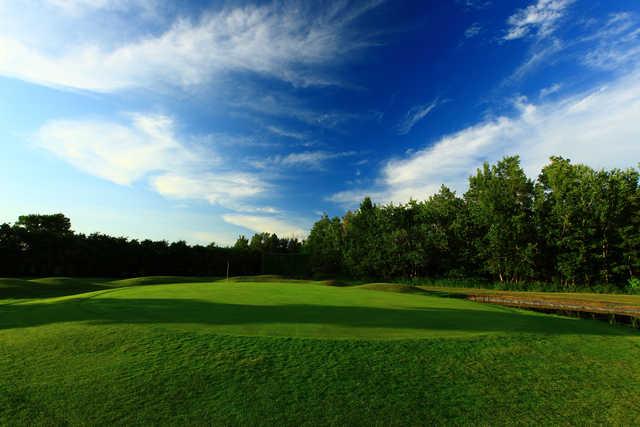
(296, 353)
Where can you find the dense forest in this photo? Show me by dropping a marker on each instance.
(45, 245)
(573, 227)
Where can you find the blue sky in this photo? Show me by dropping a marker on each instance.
(205, 120)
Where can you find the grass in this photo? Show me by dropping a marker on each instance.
(18, 289)
(259, 352)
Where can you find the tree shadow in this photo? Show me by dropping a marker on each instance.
(46, 288)
(51, 287)
(183, 311)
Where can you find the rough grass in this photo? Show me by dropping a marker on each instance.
(254, 353)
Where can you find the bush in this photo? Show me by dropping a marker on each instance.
(633, 285)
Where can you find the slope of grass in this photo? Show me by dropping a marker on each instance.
(47, 287)
(270, 353)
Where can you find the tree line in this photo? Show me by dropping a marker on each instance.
(45, 245)
(573, 226)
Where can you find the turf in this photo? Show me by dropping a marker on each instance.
(257, 353)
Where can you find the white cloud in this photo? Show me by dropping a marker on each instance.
(600, 128)
(414, 115)
(539, 55)
(308, 159)
(75, 5)
(79, 7)
(267, 224)
(549, 90)
(126, 153)
(277, 40)
(617, 43)
(116, 152)
(208, 237)
(613, 46)
(475, 4)
(276, 104)
(216, 188)
(539, 19)
(473, 30)
(286, 133)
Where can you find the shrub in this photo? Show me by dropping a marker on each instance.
(633, 285)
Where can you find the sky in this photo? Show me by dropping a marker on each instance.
(202, 121)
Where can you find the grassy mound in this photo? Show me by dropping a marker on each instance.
(48, 287)
(267, 353)
(160, 280)
(60, 286)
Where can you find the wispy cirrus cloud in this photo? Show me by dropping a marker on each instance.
(472, 31)
(611, 43)
(286, 133)
(308, 159)
(549, 90)
(577, 127)
(539, 55)
(617, 43)
(538, 19)
(415, 115)
(474, 4)
(253, 101)
(293, 44)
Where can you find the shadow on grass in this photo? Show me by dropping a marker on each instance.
(49, 287)
(152, 311)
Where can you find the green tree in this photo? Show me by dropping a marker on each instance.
(265, 242)
(567, 206)
(325, 246)
(590, 222)
(365, 249)
(500, 202)
(617, 231)
(441, 227)
(56, 225)
(47, 241)
(241, 244)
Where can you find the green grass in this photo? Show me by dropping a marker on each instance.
(295, 353)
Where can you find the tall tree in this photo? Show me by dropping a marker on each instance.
(441, 226)
(365, 248)
(566, 208)
(242, 243)
(325, 246)
(500, 201)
